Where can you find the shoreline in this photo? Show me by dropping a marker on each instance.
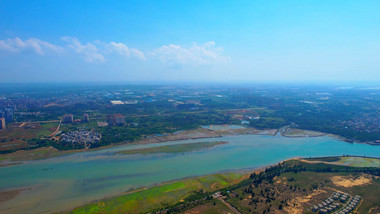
(24, 156)
(246, 172)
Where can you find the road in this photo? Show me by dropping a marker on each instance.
(55, 132)
(229, 206)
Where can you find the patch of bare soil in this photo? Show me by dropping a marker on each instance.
(8, 195)
(191, 134)
(245, 131)
(350, 181)
(297, 203)
(292, 132)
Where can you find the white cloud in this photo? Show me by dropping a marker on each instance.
(38, 46)
(95, 52)
(98, 51)
(89, 51)
(196, 54)
(122, 49)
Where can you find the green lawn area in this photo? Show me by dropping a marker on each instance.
(143, 200)
(218, 181)
(326, 159)
(46, 129)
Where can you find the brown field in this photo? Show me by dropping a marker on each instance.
(210, 208)
(350, 181)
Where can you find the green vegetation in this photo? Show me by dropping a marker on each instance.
(159, 110)
(283, 186)
(16, 138)
(213, 206)
(46, 129)
(138, 127)
(155, 198)
(349, 161)
(279, 186)
(325, 159)
(268, 123)
(274, 189)
(142, 200)
(178, 148)
(360, 162)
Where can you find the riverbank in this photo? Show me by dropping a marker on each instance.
(73, 180)
(157, 196)
(190, 199)
(23, 156)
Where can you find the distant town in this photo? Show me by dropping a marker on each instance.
(74, 116)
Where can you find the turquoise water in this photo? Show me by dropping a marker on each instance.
(64, 182)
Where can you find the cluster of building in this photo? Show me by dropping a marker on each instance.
(342, 197)
(217, 195)
(365, 122)
(331, 204)
(82, 136)
(69, 118)
(350, 206)
(326, 207)
(16, 101)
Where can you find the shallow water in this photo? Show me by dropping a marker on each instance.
(68, 181)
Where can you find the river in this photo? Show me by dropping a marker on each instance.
(64, 182)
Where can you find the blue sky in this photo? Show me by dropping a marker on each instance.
(222, 41)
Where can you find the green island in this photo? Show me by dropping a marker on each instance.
(177, 148)
(292, 186)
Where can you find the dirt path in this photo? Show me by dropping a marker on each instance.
(229, 206)
(55, 132)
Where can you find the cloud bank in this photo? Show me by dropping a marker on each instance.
(196, 54)
(99, 52)
(38, 46)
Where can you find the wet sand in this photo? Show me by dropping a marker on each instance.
(10, 194)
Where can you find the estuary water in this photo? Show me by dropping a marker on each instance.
(64, 182)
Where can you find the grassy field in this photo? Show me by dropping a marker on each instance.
(160, 196)
(46, 129)
(178, 148)
(218, 181)
(324, 159)
(151, 198)
(15, 137)
(360, 162)
(348, 161)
